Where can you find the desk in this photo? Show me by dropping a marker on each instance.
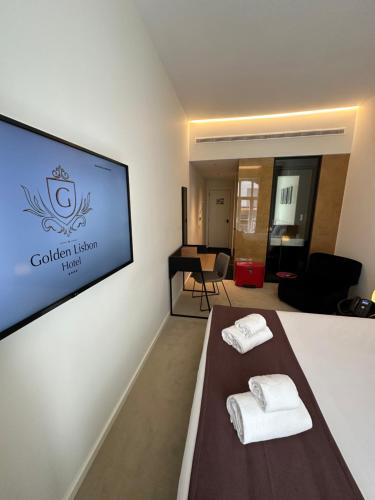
(185, 259)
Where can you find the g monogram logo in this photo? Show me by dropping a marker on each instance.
(64, 217)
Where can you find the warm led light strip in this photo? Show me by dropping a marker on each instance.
(276, 115)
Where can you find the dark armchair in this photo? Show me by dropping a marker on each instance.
(326, 281)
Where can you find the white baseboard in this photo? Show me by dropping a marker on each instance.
(73, 490)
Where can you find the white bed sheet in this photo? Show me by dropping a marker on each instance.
(337, 355)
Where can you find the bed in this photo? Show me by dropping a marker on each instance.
(337, 357)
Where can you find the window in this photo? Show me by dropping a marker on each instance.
(247, 205)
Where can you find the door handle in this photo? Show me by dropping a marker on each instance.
(227, 221)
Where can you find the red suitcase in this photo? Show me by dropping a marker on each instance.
(250, 274)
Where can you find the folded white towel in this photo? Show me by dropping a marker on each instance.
(251, 324)
(253, 424)
(274, 392)
(241, 343)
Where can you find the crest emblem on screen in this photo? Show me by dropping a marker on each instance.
(61, 213)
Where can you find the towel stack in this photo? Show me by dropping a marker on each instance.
(247, 333)
(272, 409)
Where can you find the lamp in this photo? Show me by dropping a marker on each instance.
(373, 296)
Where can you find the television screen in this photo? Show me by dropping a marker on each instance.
(64, 218)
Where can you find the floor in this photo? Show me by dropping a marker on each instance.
(141, 456)
(264, 298)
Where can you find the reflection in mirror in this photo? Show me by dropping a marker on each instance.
(291, 215)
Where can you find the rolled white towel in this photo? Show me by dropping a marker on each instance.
(253, 424)
(274, 392)
(240, 342)
(251, 324)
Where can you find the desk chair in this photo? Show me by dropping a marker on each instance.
(215, 277)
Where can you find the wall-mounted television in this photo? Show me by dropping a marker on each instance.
(64, 219)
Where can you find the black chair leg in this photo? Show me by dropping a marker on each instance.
(226, 293)
(204, 294)
(197, 294)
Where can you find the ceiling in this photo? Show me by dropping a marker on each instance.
(245, 57)
(216, 169)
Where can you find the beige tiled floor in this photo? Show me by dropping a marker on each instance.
(263, 298)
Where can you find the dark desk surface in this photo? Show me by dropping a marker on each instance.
(184, 259)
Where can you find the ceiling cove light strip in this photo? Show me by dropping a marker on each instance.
(276, 115)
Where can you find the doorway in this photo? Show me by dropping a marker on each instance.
(219, 216)
(294, 189)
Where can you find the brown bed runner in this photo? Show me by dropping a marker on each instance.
(307, 466)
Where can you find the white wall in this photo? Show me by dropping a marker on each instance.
(86, 71)
(197, 208)
(298, 146)
(226, 183)
(356, 235)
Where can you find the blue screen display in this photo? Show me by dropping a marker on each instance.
(64, 218)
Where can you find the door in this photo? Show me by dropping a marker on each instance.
(292, 211)
(219, 210)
